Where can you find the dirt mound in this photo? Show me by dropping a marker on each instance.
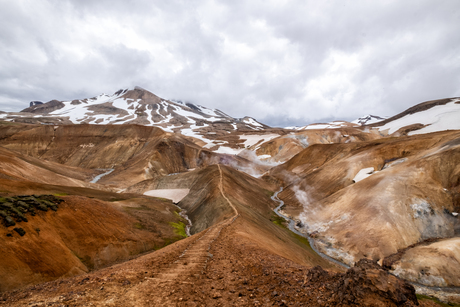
(366, 284)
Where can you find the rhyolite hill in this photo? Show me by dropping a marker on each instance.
(383, 189)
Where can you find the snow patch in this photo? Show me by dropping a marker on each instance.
(363, 174)
(176, 195)
(261, 157)
(228, 150)
(252, 139)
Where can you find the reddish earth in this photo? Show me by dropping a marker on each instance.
(240, 254)
(238, 273)
(83, 234)
(233, 263)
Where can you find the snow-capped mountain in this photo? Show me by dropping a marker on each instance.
(330, 125)
(426, 117)
(210, 128)
(368, 119)
(138, 106)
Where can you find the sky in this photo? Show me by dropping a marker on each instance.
(284, 63)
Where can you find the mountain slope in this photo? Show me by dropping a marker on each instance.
(412, 195)
(426, 117)
(139, 106)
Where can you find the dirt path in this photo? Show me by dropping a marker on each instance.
(190, 265)
(221, 188)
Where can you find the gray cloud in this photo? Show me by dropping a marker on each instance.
(284, 63)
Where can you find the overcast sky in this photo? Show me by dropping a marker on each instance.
(281, 62)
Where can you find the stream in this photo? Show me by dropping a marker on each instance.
(291, 226)
(183, 213)
(98, 177)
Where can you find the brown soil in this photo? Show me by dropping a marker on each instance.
(221, 266)
(235, 272)
(82, 235)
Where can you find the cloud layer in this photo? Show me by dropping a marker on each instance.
(282, 62)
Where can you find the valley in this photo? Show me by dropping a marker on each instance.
(164, 203)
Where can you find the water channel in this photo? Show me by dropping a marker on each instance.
(291, 226)
(98, 177)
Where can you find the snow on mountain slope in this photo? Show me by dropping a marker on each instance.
(150, 110)
(210, 128)
(331, 125)
(436, 118)
(368, 119)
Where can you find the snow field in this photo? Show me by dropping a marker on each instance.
(438, 118)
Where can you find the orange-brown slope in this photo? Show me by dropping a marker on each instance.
(286, 146)
(136, 153)
(410, 199)
(20, 167)
(250, 262)
(83, 234)
(86, 146)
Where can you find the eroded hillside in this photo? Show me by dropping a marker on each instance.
(387, 195)
(409, 194)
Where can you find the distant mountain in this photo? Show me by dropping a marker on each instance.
(210, 128)
(331, 125)
(139, 106)
(367, 120)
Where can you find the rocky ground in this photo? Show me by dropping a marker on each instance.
(237, 273)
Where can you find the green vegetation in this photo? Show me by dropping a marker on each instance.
(179, 228)
(278, 220)
(14, 209)
(5, 123)
(181, 218)
(60, 194)
(282, 223)
(422, 297)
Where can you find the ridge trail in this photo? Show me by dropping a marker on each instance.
(222, 192)
(193, 261)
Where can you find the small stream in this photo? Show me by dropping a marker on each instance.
(98, 177)
(291, 226)
(183, 213)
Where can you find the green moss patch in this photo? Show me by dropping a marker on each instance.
(278, 220)
(179, 229)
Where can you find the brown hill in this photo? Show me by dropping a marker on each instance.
(83, 234)
(241, 251)
(409, 198)
(246, 259)
(136, 153)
